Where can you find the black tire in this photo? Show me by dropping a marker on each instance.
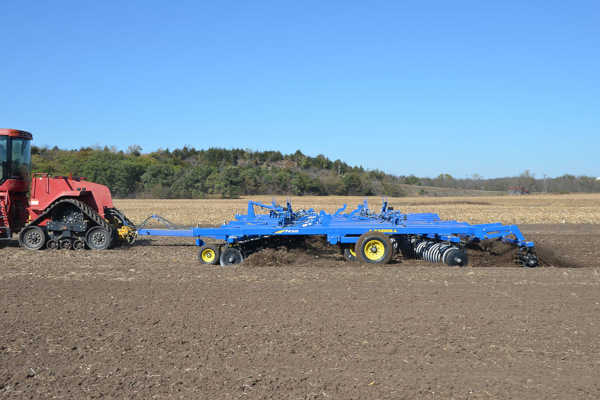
(33, 238)
(349, 253)
(374, 248)
(65, 244)
(78, 245)
(209, 254)
(52, 244)
(231, 256)
(98, 238)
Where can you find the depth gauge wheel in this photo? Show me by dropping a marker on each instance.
(349, 252)
(32, 238)
(374, 248)
(98, 238)
(231, 256)
(209, 254)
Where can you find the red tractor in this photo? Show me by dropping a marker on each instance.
(62, 212)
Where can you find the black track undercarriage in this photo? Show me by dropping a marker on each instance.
(72, 224)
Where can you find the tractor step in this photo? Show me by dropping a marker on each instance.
(5, 232)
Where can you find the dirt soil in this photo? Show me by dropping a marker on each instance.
(149, 321)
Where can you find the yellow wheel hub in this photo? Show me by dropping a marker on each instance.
(208, 255)
(374, 250)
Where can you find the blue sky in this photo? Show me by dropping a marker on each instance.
(408, 87)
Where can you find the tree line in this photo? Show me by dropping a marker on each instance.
(229, 173)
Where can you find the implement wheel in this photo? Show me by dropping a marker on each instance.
(209, 254)
(231, 256)
(349, 252)
(32, 238)
(374, 248)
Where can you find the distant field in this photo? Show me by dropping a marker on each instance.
(531, 209)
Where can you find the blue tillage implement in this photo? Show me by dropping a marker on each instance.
(368, 236)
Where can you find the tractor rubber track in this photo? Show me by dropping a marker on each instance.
(87, 211)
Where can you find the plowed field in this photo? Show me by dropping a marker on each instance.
(148, 321)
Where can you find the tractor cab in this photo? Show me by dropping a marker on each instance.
(15, 160)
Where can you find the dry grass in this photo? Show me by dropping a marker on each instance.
(532, 209)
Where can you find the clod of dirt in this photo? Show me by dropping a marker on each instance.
(500, 254)
(491, 254)
(549, 258)
(270, 258)
(303, 251)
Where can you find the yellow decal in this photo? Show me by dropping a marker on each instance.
(385, 230)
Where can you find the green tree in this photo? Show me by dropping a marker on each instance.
(352, 184)
(191, 183)
(413, 180)
(392, 189)
(251, 181)
(229, 183)
(158, 174)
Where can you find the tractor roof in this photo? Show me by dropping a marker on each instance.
(16, 133)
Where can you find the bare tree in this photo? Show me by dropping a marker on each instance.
(527, 180)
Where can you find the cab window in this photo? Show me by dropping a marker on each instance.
(3, 158)
(21, 158)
